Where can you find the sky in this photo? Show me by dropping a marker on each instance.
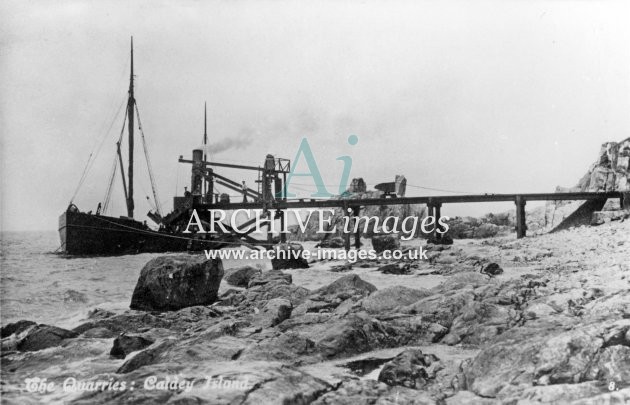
(463, 96)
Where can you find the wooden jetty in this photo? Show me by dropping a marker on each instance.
(274, 198)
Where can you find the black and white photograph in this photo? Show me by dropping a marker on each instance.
(355, 202)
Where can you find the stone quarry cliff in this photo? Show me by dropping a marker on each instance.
(610, 172)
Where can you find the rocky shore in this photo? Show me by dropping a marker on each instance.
(544, 319)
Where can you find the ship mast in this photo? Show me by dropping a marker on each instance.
(130, 113)
(207, 183)
(205, 143)
(205, 132)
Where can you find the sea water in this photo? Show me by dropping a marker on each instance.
(39, 284)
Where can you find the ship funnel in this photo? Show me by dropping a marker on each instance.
(197, 154)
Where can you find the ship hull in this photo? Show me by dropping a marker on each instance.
(87, 234)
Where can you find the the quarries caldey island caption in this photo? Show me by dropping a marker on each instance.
(290, 288)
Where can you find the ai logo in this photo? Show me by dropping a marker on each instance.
(313, 170)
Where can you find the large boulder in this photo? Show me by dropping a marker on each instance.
(169, 283)
(289, 256)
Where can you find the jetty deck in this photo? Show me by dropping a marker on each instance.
(434, 203)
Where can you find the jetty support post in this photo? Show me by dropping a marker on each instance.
(521, 227)
(438, 215)
(283, 197)
(434, 211)
(357, 233)
(346, 241)
(430, 213)
(346, 235)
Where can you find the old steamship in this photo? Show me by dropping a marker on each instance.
(87, 233)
